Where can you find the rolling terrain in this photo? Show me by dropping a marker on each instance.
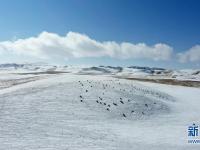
(76, 110)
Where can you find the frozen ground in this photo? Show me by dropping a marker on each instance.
(73, 112)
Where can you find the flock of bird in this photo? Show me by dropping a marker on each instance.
(109, 105)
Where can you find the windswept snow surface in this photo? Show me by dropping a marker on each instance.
(73, 112)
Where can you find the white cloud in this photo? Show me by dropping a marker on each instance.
(191, 55)
(75, 45)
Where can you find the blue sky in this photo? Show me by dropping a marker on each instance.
(172, 22)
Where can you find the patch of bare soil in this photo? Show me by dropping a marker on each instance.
(45, 72)
(188, 83)
(12, 82)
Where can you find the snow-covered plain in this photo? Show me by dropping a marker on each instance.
(71, 112)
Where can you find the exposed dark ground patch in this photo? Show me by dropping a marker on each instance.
(188, 83)
(9, 83)
(45, 72)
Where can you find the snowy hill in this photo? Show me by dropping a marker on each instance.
(70, 111)
(127, 72)
(45, 106)
(143, 72)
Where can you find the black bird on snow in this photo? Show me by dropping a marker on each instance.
(86, 90)
(81, 96)
(115, 104)
(124, 115)
(122, 102)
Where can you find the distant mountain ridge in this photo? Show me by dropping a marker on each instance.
(130, 71)
(14, 65)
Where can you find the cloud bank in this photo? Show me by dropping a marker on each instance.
(192, 55)
(49, 46)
